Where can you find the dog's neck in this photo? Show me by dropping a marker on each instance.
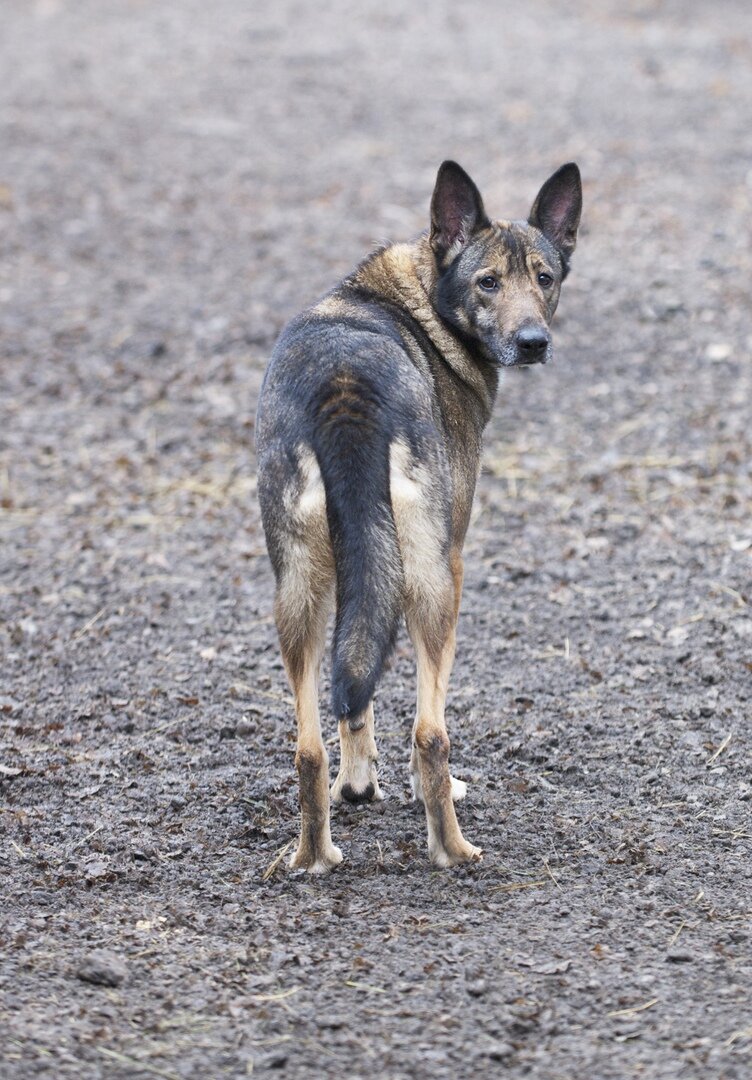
(405, 275)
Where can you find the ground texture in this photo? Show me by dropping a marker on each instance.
(176, 180)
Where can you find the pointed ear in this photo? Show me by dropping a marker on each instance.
(556, 211)
(456, 211)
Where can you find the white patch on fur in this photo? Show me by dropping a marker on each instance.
(309, 560)
(418, 530)
(311, 499)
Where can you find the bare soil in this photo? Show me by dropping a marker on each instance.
(177, 179)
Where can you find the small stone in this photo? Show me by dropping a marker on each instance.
(102, 968)
(145, 852)
(245, 726)
(277, 1059)
(679, 956)
(96, 868)
(500, 1051)
(709, 672)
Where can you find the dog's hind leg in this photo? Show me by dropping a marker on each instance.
(302, 635)
(459, 787)
(433, 637)
(357, 780)
(304, 596)
(432, 585)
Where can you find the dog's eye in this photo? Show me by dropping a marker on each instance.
(489, 283)
(545, 280)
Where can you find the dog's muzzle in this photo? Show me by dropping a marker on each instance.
(531, 345)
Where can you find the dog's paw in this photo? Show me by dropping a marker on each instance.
(459, 788)
(415, 787)
(357, 785)
(316, 862)
(453, 855)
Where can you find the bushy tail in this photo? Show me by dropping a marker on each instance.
(353, 456)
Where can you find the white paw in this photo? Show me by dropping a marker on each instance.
(459, 788)
(416, 787)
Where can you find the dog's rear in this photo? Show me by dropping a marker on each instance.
(354, 488)
(330, 412)
(334, 441)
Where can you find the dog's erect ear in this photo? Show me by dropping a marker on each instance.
(456, 211)
(556, 211)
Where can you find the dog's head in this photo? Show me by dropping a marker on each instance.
(498, 282)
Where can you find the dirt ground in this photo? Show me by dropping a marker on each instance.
(176, 180)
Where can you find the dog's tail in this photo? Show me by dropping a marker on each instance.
(352, 447)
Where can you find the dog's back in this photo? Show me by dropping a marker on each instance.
(346, 419)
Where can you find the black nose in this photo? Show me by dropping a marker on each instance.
(532, 343)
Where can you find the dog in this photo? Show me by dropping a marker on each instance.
(368, 437)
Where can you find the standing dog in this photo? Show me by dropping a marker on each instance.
(369, 441)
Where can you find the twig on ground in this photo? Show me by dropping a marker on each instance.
(635, 1009)
(365, 986)
(550, 873)
(135, 1062)
(513, 886)
(675, 935)
(88, 625)
(720, 749)
(269, 872)
(281, 995)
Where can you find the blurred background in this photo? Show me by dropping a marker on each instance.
(177, 179)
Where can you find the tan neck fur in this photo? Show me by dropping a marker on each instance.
(405, 274)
